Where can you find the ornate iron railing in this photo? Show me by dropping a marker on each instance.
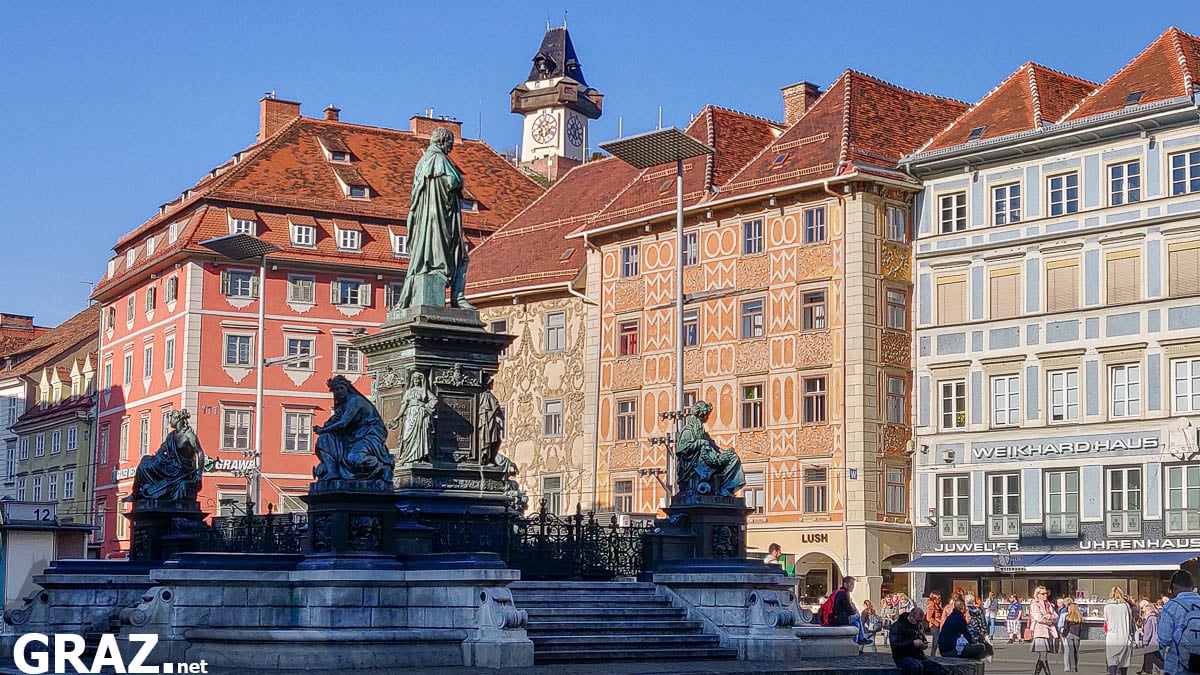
(276, 533)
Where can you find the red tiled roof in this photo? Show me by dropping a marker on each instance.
(58, 342)
(289, 173)
(66, 405)
(1032, 95)
(536, 237)
(859, 122)
(1168, 68)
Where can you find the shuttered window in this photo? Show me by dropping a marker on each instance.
(1005, 288)
(952, 300)
(1062, 285)
(1183, 269)
(1124, 277)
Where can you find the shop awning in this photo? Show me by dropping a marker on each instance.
(951, 563)
(1111, 561)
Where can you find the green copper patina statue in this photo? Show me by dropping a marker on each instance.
(702, 467)
(437, 248)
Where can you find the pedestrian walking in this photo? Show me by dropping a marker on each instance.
(1012, 619)
(933, 617)
(1118, 635)
(1152, 662)
(1043, 621)
(991, 608)
(1072, 632)
(1179, 627)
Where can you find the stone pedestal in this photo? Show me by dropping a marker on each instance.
(702, 534)
(161, 528)
(350, 518)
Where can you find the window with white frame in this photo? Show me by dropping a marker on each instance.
(108, 381)
(1006, 204)
(895, 492)
(52, 486)
(39, 445)
(629, 261)
(350, 292)
(144, 435)
(752, 406)
(299, 347)
(1125, 390)
(55, 442)
(130, 304)
(169, 354)
(952, 299)
(627, 338)
(814, 225)
(627, 419)
(302, 289)
(954, 507)
(1186, 385)
(102, 445)
(1004, 506)
(37, 488)
(1125, 183)
(148, 361)
(231, 503)
(1183, 268)
(1183, 499)
(241, 226)
(499, 326)
(1123, 272)
(556, 331)
(753, 319)
(897, 224)
(815, 489)
(151, 299)
(691, 255)
(1124, 501)
(172, 292)
(552, 418)
(1064, 396)
(897, 406)
(812, 310)
(399, 245)
(72, 438)
(753, 493)
(21, 489)
(164, 421)
(297, 431)
(360, 192)
(623, 496)
(347, 359)
(1063, 193)
(552, 493)
(954, 404)
(752, 237)
(98, 533)
(349, 240)
(69, 484)
(235, 429)
(814, 402)
(1062, 503)
(952, 212)
(304, 236)
(24, 445)
(1185, 172)
(123, 440)
(238, 349)
(239, 284)
(896, 313)
(691, 327)
(1006, 400)
(128, 369)
(391, 293)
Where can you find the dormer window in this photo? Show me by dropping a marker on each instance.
(1133, 99)
(400, 245)
(779, 160)
(304, 236)
(150, 247)
(470, 205)
(338, 156)
(242, 226)
(130, 256)
(173, 233)
(112, 267)
(335, 148)
(358, 192)
(976, 133)
(349, 240)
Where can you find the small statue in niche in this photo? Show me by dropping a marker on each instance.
(702, 467)
(416, 420)
(490, 426)
(175, 470)
(352, 445)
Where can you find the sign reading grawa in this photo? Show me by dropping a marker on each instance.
(1120, 444)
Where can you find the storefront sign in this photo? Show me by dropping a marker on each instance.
(1140, 544)
(1081, 445)
(213, 464)
(984, 547)
(122, 474)
(814, 538)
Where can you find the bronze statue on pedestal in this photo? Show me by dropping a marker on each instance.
(175, 471)
(702, 467)
(352, 444)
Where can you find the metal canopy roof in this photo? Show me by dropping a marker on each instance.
(240, 246)
(655, 147)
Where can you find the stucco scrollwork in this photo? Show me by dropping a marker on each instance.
(630, 294)
(693, 279)
(895, 261)
(753, 356)
(814, 261)
(815, 440)
(753, 272)
(627, 374)
(813, 348)
(896, 348)
(625, 456)
(895, 438)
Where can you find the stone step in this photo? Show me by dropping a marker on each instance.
(611, 625)
(649, 612)
(624, 639)
(571, 653)
(589, 586)
(588, 599)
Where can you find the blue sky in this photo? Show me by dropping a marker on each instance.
(109, 109)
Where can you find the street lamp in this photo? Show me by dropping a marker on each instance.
(245, 247)
(643, 151)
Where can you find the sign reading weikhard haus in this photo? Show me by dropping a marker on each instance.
(1140, 442)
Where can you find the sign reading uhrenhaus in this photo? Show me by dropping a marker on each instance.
(1130, 443)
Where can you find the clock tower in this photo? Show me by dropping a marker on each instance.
(557, 105)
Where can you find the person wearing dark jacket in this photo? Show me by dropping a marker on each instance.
(908, 645)
(845, 613)
(954, 626)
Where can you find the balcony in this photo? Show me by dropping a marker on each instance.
(1005, 526)
(953, 527)
(1183, 521)
(1124, 523)
(1062, 525)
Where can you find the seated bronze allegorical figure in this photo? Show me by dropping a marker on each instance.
(175, 470)
(352, 444)
(702, 468)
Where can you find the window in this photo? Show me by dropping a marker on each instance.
(358, 192)
(752, 406)
(896, 315)
(130, 303)
(1125, 183)
(552, 493)
(151, 299)
(297, 431)
(812, 310)
(235, 432)
(691, 327)
(627, 419)
(691, 255)
(504, 422)
(164, 421)
(173, 232)
(895, 500)
(237, 350)
(391, 294)
(172, 289)
(148, 362)
(629, 261)
(954, 404)
(1124, 279)
(128, 369)
(55, 442)
(952, 300)
(623, 496)
(347, 359)
(1185, 172)
(21, 490)
(1005, 293)
(144, 435)
(231, 503)
(499, 326)
(299, 347)
(399, 245)
(110, 318)
(814, 400)
(752, 319)
(1183, 269)
(1006, 204)
(52, 487)
(1006, 400)
(753, 492)
(108, 375)
(952, 212)
(302, 289)
(552, 419)
(816, 488)
(1186, 377)
(241, 226)
(150, 247)
(39, 445)
(1125, 390)
(1064, 396)
(954, 507)
(1064, 194)
(304, 236)
(102, 446)
(689, 398)
(123, 441)
(1062, 285)
(1062, 504)
(72, 439)
(239, 284)
(98, 533)
(814, 225)
(897, 224)
(1183, 499)
(339, 156)
(349, 240)
(169, 354)
(1004, 506)
(350, 292)
(37, 488)
(68, 484)
(1125, 501)
(752, 237)
(897, 408)
(627, 338)
(556, 331)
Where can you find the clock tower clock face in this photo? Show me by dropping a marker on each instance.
(545, 128)
(574, 131)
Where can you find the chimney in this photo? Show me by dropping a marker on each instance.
(331, 113)
(421, 125)
(797, 99)
(274, 114)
